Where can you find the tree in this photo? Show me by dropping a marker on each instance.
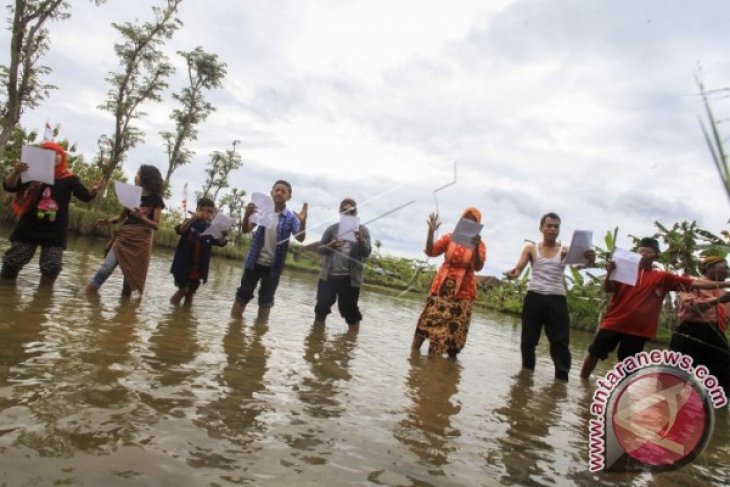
(220, 166)
(686, 244)
(233, 202)
(145, 69)
(11, 149)
(21, 81)
(205, 72)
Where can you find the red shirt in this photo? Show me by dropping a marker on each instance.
(634, 310)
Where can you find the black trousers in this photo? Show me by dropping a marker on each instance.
(338, 288)
(606, 341)
(707, 346)
(551, 311)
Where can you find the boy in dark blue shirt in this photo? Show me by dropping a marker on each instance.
(192, 255)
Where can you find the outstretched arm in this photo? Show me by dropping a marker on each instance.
(80, 191)
(709, 285)
(522, 262)
(106, 221)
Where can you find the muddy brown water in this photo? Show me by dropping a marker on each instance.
(111, 392)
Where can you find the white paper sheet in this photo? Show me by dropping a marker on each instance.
(581, 242)
(264, 215)
(349, 224)
(41, 164)
(129, 195)
(221, 223)
(627, 266)
(465, 231)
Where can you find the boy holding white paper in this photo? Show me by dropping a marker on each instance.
(192, 255)
(633, 314)
(42, 211)
(344, 247)
(266, 257)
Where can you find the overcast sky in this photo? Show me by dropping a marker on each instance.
(585, 108)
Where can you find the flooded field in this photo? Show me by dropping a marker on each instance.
(112, 392)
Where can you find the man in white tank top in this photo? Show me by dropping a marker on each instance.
(545, 302)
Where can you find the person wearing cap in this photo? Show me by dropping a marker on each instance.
(633, 314)
(42, 212)
(704, 315)
(446, 317)
(546, 302)
(341, 274)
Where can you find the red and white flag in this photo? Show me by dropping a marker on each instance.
(185, 199)
(48, 133)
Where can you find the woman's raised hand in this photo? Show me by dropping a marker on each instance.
(433, 222)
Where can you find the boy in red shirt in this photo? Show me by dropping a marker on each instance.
(633, 314)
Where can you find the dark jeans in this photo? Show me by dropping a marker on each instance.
(338, 288)
(707, 346)
(606, 341)
(550, 310)
(250, 279)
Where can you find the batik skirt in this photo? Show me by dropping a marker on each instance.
(445, 321)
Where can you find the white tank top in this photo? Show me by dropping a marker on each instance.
(547, 274)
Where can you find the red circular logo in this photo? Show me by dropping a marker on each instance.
(661, 419)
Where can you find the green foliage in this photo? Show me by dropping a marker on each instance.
(145, 69)
(205, 72)
(508, 296)
(232, 203)
(11, 153)
(220, 166)
(21, 84)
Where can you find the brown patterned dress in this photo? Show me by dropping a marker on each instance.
(445, 321)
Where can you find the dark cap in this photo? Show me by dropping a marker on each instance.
(650, 243)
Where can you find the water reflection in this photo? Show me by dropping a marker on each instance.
(310, 433)
(112, 392)
(22, 340)
(173, 345)
(108, 348)
(426, 430)
(329, 363)
(233, 416)
(529, 414)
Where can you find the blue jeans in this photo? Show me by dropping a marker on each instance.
(106, 269)
(250, 279)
